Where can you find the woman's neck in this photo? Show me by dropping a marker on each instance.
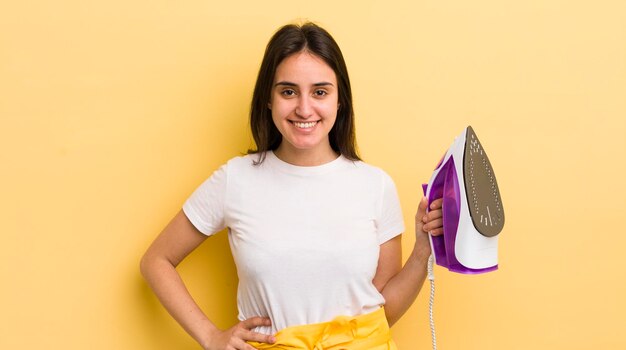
(309, 157)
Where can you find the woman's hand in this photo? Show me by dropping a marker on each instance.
(427, 222)
(235, 338)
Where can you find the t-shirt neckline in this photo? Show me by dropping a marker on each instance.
(304, 170)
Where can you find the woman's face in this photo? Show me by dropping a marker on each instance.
(304, 103)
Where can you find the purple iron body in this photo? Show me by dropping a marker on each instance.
(473, 215)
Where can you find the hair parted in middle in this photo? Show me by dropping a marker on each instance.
(289, 40)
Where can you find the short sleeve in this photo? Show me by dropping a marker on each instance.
(205, 207)
(390, 222)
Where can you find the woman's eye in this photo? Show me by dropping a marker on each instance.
(288, 92)
(320, 93)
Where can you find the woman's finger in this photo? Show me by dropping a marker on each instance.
(432, 215)
(436, 204)
(241, 344)
(433, 225)
(254, 322)
(436, 232)
(258, 337)
(421, 209)
(246, 334)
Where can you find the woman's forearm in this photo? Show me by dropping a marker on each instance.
(402, 289)
(169, 288)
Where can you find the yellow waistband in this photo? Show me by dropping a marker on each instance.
(363, 332)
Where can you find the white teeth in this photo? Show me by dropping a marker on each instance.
(304, 125)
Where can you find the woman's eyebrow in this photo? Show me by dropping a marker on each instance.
(288, 83)
(285, 83)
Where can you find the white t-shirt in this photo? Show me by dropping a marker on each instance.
(305, 240)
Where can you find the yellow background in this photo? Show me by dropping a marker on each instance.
(113, 112)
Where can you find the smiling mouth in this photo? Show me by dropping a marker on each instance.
(306, 125)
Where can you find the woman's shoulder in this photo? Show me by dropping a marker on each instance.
(244, 162)
(371, 170)
(368, 167)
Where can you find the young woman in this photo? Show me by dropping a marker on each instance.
(314, 231)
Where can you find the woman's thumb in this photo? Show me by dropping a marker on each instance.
(421, 208)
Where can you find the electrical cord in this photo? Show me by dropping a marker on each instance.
(431, 303)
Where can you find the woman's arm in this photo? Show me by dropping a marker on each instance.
(401, 285)
(158, 266)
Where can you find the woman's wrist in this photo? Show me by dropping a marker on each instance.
(421, 252)
(206, 338)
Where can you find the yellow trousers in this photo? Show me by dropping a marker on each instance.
(364, 332)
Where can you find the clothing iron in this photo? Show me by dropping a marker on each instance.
(473, 215)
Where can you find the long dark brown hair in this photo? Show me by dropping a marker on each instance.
(289, 40)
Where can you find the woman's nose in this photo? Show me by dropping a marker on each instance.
(304, 109)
